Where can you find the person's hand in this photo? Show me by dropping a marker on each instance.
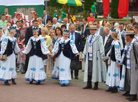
(52, 55)
(104, 59)
(118, 65)
(24, 57)
(77, 54)
(82, 59)
(0, 57)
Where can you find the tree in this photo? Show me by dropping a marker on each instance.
(114, 8)
(88, 4)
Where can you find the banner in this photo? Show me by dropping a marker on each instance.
(123, 8)
(21, 2)
(106, 7)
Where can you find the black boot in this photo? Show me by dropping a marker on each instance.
(13, 81)
(89, 83)
(109, 90)
(95, 86)
(126, 93)
(133, 98)
(7, 83)
(114, 90)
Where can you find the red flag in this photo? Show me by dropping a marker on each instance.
(106, 7)
(123, 8)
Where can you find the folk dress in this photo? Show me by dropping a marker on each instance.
(35, 71)
(113, 75)
(62, 64)
(9, 47)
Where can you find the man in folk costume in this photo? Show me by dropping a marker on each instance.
(132, 64)
(95, 70)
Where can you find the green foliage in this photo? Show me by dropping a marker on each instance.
(87, 7)
(54, 3)
(114, 8)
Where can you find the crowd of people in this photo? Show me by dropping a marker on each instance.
(53, 47)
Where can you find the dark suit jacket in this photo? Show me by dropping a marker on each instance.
(101, 31)
(108, 43)
(48, 17)
(29, 33)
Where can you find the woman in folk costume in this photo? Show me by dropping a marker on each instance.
(113, 74)
(95, 70)
(1, 38)
(36, 46)
(63, 50)
(9, 47)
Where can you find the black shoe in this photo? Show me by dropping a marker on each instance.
(7, 83)
(63, 85)
(88, 87)
(126, 94)
(31, 82)
(133, 98)
(76, 78)
(114, 90)
(109, 90)
(38, 83)
(95, 86)
(13, 81)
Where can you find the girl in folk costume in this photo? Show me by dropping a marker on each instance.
(113, 74)
(20, 59)
(14, 19)
(37, 48)
(9, 47)
(44, 32)
(63, 50)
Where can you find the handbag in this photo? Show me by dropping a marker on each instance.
(76, 64)
(109, 61)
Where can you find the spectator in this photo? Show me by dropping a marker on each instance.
(91, 18)
(122, 31)
(3, 21)
(40, 20)
(49, 26)
(63, 27)
(45, 17)
(55, 23)
(56, 14)
(93, 9)
(133, 22)
(65, 22)
(104, 22)
(6, 13)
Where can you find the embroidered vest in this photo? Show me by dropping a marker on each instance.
(66, 49)
(10, 48)
(113, 54)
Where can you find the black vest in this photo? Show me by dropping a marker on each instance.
(113, 53)
(10, 48)
(66, 48)
(36, 49)
(0, 45)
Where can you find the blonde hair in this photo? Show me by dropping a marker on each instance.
(115, 35)
(46, 30)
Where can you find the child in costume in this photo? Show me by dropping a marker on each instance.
(36, 48)
(9, 47)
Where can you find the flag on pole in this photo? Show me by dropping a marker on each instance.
(106, 7)
(123, 8)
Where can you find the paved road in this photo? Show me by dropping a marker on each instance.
(51, 91)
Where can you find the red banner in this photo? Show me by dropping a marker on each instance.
(123, 8)
(106, 7)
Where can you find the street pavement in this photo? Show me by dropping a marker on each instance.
(51, 91)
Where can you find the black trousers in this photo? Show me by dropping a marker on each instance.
(76, 74)
(26, 63)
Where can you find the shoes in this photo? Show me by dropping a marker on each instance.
(6, 83)
(13, 81)
(126, 94)
(76, 78)
(114, 90)
(38, 83)
(23, 73)
(31, 82)
(132, 98)
(95, 86)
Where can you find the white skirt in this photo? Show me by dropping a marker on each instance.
(35, 71)
(113, 76)
(62, 68)
(8, 68)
